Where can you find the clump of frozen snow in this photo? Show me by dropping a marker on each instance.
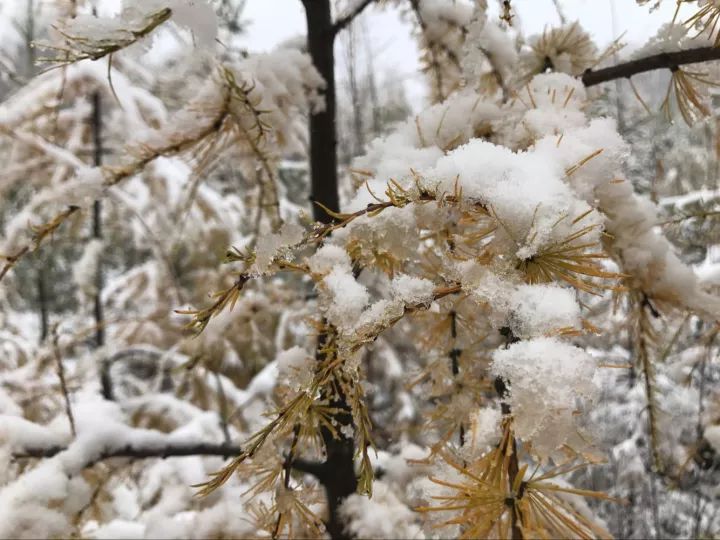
(712, 435)
(328, 257)
(276, 245)
(537, 310)
(548, 379)
(347, 298)
(412, 290)
(381, 516)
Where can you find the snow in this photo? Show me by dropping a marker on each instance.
(669, 38)
(412, 290)
(486, 41)
(86, 268)
(547, 378)
(712, 435)
(19, 434)
(709, 273)
(348, 298)
(276, 245)
(295, 367)
(328, 257)
(525, 191)
(119, 528)
(382, 516)
(538, 310)
(700, 196)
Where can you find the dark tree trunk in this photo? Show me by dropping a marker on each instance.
(323, 138)
(338, 471)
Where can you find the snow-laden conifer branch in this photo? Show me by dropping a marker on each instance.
(229, 109)
(92, 38)
(500, 227)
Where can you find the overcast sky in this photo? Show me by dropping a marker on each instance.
(270, 22)
(273, 21)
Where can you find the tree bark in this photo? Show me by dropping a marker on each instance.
(323, 137)
(338, 470)
(337, 473)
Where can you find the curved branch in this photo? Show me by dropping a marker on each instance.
(658, 61)
(346, 19)
(140, 452)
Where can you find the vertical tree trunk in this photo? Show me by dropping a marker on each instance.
(323, 139)
(338, 471)
(337, 474)
(97, 220)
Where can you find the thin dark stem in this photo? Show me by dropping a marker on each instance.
(97, 220)
(455, 362)
(513, 471)
(42, 301)
(140, 452)
(650, 63)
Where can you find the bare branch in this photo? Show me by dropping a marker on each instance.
(139, 452)
(346, 19)
(650, 63)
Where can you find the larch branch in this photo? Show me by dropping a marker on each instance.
(667, 60)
